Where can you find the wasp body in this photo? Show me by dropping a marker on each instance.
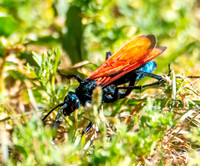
(129, 64)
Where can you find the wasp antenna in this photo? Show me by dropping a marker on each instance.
(59, 105)
(70, 76)
(58, 114)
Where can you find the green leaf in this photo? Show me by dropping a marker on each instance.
(37, 58)
(72, 41)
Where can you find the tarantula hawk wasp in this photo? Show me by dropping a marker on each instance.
(130, 63)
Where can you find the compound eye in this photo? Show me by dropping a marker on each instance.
(75, 103)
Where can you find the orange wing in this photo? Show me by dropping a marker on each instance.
(129, 57)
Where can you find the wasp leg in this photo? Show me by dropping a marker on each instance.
(119, 94)
(129, 88)
(78, 78)
(56, 120)
(169, 66)
(108, 54)
(141, 86)
(148, 67)
(132, 82)
(158, 77)
(170, 70)
(88, 128)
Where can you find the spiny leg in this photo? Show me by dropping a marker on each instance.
(132, 82)
(55, 123)
(148, 67)
(141, 86)
(158, 77)
(88, 128)
(169, 66)
(134, 74)
(189, 77)
(119, 94)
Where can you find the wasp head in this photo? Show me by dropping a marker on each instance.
(71, 103)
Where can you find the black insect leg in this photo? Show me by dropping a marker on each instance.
(119, 94)
(70, 76)
(88, 128)
(128, 91)
(108, 54)
(169, 67)
(158, 77)
(141, 86)
(55, 123)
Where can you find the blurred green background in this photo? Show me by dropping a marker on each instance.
(86, 29)
(80, 30)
